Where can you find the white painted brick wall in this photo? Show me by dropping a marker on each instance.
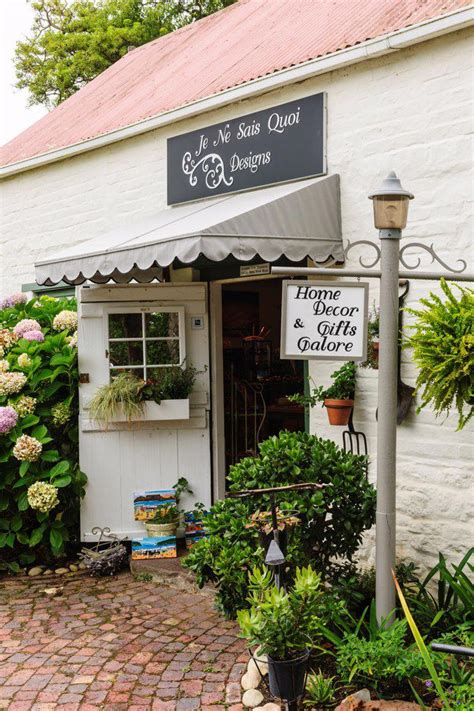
(412, 112)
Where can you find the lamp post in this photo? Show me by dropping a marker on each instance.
(390, 204)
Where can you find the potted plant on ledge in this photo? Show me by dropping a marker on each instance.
(284, 626)
(338, 398)
(164, 522)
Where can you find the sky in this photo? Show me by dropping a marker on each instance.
(15, 114)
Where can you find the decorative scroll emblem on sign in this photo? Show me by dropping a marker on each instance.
(324, 320)
(212, 168)
(277, 145)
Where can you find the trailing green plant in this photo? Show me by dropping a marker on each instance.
(342, 387)
(332, 519)
(181, 487)
(320, 690)
(443, 349)
(122, 395)
(40, 481)
(282, 623)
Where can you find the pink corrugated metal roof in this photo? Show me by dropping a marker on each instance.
(250, 39)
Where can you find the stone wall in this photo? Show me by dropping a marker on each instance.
(410, 111)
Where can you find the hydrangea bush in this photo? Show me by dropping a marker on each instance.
(40, 481)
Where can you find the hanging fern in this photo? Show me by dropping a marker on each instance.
(443, 349)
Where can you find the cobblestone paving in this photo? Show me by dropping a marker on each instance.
(115, 644)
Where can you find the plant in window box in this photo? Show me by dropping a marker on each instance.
(122, 396)
(164, 522)
(128, 398)
(173, 383)
(338, 398)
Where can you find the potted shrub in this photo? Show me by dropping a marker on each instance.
(284, 626)
(164, 522)
(338, 398)
(128, 398)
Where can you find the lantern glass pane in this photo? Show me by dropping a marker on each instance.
(390, 212)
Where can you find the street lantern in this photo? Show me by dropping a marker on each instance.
(391, 204)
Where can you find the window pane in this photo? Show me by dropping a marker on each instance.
(125, 325)
(162, 352)
(137, 372)
(126, 353)
(162, 325)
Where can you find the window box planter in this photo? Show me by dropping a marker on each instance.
(152, 411)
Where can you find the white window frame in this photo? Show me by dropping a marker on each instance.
(126, 308)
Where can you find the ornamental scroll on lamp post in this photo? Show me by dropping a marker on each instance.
(390, 204)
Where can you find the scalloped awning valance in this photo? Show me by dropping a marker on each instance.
(295, 220)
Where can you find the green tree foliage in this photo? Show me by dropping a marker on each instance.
(442, 339)
(72, 41)
(38, 382)
(332, 519)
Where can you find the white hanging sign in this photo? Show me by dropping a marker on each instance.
(324, 320)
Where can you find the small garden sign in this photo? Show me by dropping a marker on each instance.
(324, 320)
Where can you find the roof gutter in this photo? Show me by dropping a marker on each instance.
(430, 29)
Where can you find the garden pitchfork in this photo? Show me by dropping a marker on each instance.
(353, 441)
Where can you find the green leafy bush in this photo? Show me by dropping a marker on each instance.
(383, 657)
(332, 519)
(443, 349)
(40, 480)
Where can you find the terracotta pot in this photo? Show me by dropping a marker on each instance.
(339, 411)
(375, 351)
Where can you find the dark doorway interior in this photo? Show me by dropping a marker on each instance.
(256, 382)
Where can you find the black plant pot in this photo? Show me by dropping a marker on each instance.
(287, 679)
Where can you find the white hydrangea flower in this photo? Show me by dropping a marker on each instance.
(72, 340)
(4, 366)
(25, 405)
(7, 339)
(42, 496)
(11, 383)
(27, 449)
(24, 360)
(65, 321)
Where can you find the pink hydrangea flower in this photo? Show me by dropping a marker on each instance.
(33, 336)
(13, 300)
(25, 325)
(8, 419)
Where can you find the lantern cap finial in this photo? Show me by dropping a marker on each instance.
(391, 187)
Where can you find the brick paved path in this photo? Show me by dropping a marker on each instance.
(115, 644)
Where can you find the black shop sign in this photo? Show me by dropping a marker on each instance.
(284, 143)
